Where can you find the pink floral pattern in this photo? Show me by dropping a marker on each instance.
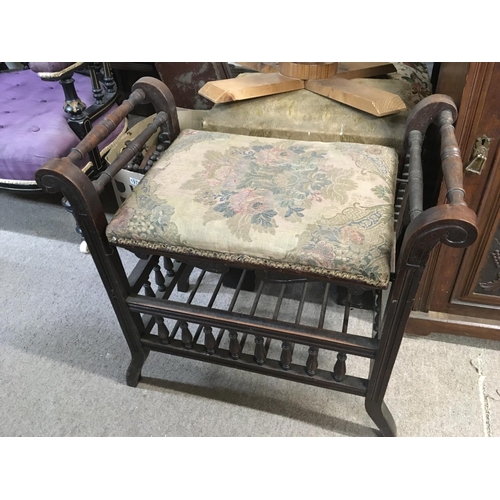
(323, 208)
(267, 183)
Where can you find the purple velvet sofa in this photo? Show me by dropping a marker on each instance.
(45, 111)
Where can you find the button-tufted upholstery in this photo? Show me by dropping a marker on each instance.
(33, 124)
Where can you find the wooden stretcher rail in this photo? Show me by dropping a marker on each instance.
(326, 339)
(296, 373)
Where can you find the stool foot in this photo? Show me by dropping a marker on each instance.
(134, 369)
(382, 417)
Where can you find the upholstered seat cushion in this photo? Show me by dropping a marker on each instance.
(323, 208)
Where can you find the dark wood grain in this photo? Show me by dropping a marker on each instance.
(185, 79)
(451, 80)
(450, 283)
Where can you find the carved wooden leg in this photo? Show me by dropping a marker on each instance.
(134, 369)
(382, 417)
(392, 329)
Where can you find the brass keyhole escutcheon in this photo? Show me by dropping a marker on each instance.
(479, 155)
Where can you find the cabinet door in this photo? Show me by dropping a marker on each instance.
(460, 292)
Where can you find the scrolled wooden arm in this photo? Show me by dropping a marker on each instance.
(145, 90)
(453, 224)
(158, 94)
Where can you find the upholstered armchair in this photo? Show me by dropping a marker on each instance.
(45, 111)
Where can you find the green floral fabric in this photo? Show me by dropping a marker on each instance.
(306, 116)
(323, 208)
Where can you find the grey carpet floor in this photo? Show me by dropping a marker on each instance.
(63, 361)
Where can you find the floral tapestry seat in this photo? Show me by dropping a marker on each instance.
(323, 208)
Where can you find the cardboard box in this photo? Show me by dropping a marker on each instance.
(124, 183)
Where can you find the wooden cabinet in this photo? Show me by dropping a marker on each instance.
(460, 291)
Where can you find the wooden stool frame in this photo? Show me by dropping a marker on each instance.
(418, 229)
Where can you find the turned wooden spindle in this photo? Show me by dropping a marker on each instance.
(286, 355)
(148, 291)
(159, 279)
(451, 160)
(416, 176)
(260, 351)
(162, 329)
(97, 90)
(234, 345)
(169, 266)
(109, 81)
(210, 343)
(312, 361)
(187, 337)
(339, 370)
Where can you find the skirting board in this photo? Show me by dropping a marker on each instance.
(421, 323)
